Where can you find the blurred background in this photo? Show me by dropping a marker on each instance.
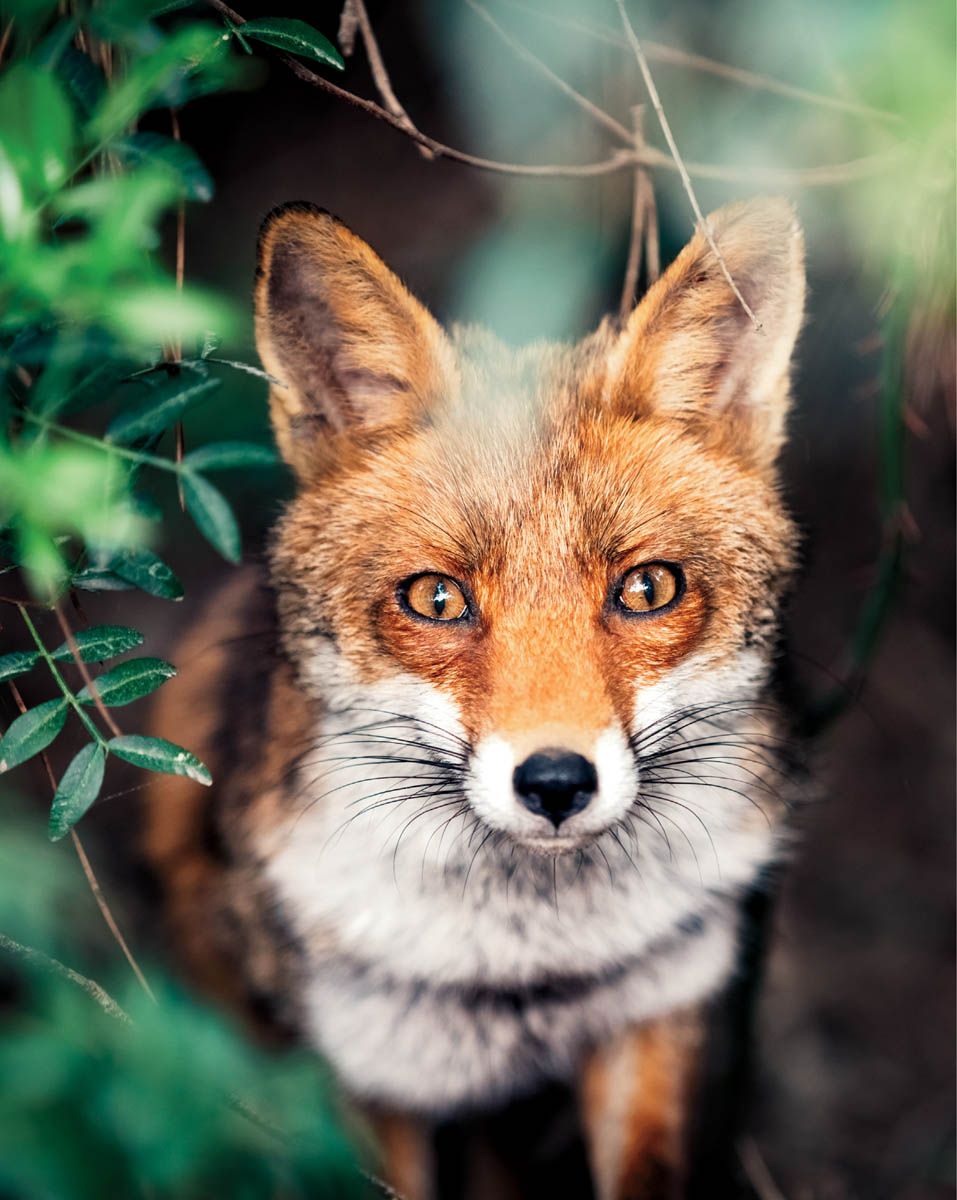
(846, 108)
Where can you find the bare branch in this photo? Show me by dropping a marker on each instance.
(657, 52)
(381, 76)
(757, 1171)
(620, 160)
(685, 179)
(598, 114)
(108, 915)
(643, 190)
(348, 25)
(37, 958)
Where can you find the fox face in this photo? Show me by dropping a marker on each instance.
(532, 598)
(550, 563)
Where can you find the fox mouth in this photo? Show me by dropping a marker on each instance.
(557, 843)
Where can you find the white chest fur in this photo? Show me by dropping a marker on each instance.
(447, 969)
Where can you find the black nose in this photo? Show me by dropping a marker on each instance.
(555, 784)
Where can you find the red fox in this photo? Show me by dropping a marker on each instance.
(496, 751)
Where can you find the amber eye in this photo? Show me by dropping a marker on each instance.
(436, 597)
(650, 587)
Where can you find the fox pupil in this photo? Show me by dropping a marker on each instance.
(439, 599)
(648, 587)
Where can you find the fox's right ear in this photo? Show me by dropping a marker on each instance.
(348, 345)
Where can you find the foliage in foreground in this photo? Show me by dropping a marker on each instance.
(169, 1102)
(103, 353)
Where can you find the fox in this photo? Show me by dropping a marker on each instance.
(497, 750)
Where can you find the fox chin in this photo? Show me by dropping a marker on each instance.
(496, 747)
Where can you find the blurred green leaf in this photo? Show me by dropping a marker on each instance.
(147, 572)
(191, 49)
(295, 37)
(128, 681)
(162, 408)
(177, 158)
(78, 788)
(31, 732)
(157, 754)
(36, 127)
(29, 14)
(83, 81)
(100, 642)
(55, 489)
(160, 313)
(212, 514)
(17, 663)
(218, 456)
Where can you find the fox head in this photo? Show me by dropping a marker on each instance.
(535, 590)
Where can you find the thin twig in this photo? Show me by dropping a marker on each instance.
(175, 351)
(37, 958)
(672, 145)
(620, 160)
(108, 915)
(5, 39)
(81, 666)
(85, 863)
(380, 75)
(757, 1171)
(348, 25)
(596, 113)
(657, 52)
(643, 192)
(652, 240)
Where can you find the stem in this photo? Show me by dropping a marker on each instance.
(85, 439)
(84, 672)
(37, 958)
(679, 161)
(61, 684)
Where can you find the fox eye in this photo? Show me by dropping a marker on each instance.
(435, 596)
(651, 587)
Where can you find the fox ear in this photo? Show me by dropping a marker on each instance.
(348, 345)
(690, 351)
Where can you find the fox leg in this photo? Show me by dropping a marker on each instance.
(406, 1153)
(635, 1095)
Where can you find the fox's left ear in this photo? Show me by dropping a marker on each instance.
(351, 349)
(690, 351)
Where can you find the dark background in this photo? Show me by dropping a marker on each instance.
(855, 1094)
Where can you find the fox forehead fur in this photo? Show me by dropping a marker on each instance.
(415, 884)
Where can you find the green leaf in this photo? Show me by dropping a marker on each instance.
(219, 456)
(193, 48)
(129, 681)
(31, 733)
(212, 514)
(164, 406)
(84, 82)
(100, 642)
(191, 177)
(78, 788)
(17, 663)
(142, 568)
(295, 37)
(36, 127)
(157, 754)
(153, 312)
(98, 579)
